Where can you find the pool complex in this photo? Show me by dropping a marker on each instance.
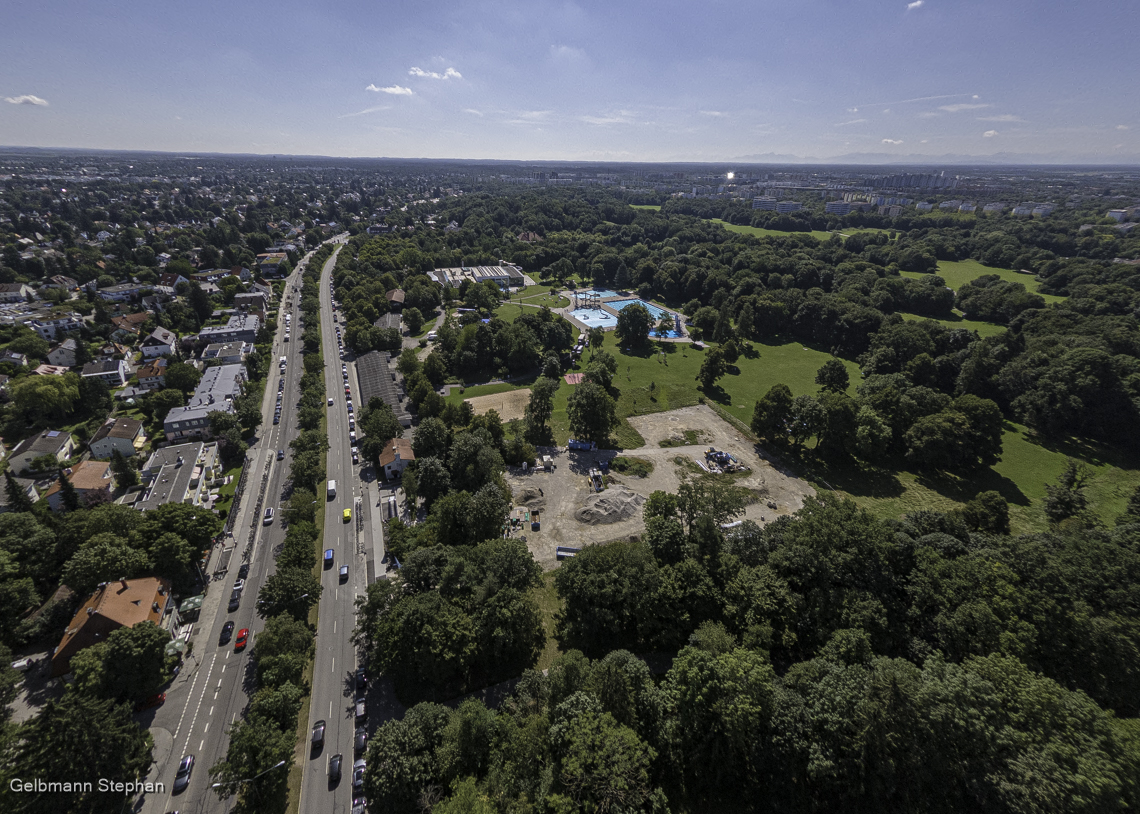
(595, 318)
(601, 292)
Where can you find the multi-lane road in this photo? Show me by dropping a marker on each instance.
(212, 690)
(334, 692)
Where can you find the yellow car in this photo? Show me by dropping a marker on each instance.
(347, 515)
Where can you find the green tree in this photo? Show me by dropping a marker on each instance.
(403, 760)
(46, 397)
(289, 591)
(596, 338)
(989, 511)
(633, 325)
(256, 745)
(414, 320)
(129, 666)
(772, 415)
(101, 558)
(540, 407)
(1066, 498)
(592, 413)
(182, 376)
(806, 419)
(18, 500)
(833, 376)
(605, 767)
(427, 645)
(84, 739)
(713, 367)
(126, 475)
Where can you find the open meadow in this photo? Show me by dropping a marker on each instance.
(956, 273)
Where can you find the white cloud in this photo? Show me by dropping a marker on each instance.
(929, 114)
(621, 117)
(852, 110)
(395, 90)
(888, 110)
(473, 111)
(450, 73)
(566, 53)
(1122, 127)
(892, 141)
(713, 113)
(1005, 117)
(989, 134)
(960, 107)
(363, 112)
(975, 96)
(853, 121)
(26, 99)
(915, 4)
(924, 141)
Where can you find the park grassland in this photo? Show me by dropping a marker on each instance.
(957, 273)
(648, 383)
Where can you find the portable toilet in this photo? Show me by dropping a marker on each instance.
(547, 463)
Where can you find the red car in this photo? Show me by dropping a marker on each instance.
(153, 701)
(242, 638)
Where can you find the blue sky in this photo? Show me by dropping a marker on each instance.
(660, 81)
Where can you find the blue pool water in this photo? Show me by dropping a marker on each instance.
(595, 318)
(653, 310)
(601, 292)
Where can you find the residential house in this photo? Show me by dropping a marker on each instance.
(273, 264)
(123, 292)
(122, 603)
(111, 371)
(124, 435)
(60, 281)
(152, 376)
(16, 292)
(228, 353)
(254, 302)
(51, 326)
(13, 358)
(181, 473)
(64, 354)
(129, 326)
(161, 342)
(88, 477)
(49, 370)
(27, 486)
(261, 288)
(113, 349)
(154, 303)
(217, 390)
(396, 456)
(168, 282)
(58, 444)
(395, 299)
(238, 328)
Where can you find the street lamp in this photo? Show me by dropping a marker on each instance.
(251, 779)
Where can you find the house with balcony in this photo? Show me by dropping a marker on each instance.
(122, 435)
(111, 371)
(64, 354)
(152, 376)
(161, 342)
(60, 445)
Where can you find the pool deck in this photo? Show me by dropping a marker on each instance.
(617, 296)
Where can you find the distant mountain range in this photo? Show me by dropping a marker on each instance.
(1064, 159)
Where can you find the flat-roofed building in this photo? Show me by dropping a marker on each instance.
(181, 473)
(238, 328)
(217, 390)
(378, 380)
(229, 353)
(111, 371)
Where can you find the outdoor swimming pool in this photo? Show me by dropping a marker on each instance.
(653, 310)
(594, 318)
(587, 292)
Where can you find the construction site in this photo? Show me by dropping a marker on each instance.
(574, 498)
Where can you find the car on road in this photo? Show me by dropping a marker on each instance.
(227, 632)
(242, 639)
(318, 738)
(350, 406)
(182, 779)
(330, 402)
(281, 455)
(277, 419)
(243, 572)
(358, 775)
(358, 805)
(360, 740)
(239, 584)
(361, 711)
(268, 516)
(235, 600)
(344, 573)
(361, 678)
(23, 665)
(155, 700)
(328, 558)
(347, 515)
(355, 457)
(334, 768)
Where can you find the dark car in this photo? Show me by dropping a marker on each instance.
(243, 572)
(344, 573)
(360, 741)
(334, 768)
(361, 712)
(358, 775)
(182, 779)
(227, 632)
(318, 734)
(155, 700)
(358, 805)
(235, 600)
(281, 455)
(277, 419)
(361, 678)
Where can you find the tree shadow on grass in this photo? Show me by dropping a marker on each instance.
(963, 489)
(1083, 449)
(849, 477)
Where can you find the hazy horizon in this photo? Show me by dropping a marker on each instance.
(882, 82)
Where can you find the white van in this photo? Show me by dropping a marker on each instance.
(432, 336)
(330, 492)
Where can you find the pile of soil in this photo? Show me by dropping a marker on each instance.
(531, 497)
(610, 506)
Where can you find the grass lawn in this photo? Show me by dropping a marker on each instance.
(226, 492)
(958, 321)
(549, 300)
(958, 272)
(509, 312)
(549, 603)
(482, 390)
(756, 231)
(654, 207)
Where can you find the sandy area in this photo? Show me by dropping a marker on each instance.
(560, 496)
(510, 405)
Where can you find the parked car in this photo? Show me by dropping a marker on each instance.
(318, 734)
(243, 572)
(239, 584)
(360, 740)
(361, 678)
(330, 402)
(182, 779)
(235, 600)
(242, 639)
(156, 700)
(358, 775)
(361, 711)
(23, 665)
(227, 632)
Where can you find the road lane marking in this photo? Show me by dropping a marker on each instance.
(211, 712)
(197, 707)
(189, 696)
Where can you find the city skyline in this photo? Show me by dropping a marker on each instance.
(579, 82)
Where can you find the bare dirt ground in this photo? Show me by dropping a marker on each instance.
(510, 405)
(563, 495)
